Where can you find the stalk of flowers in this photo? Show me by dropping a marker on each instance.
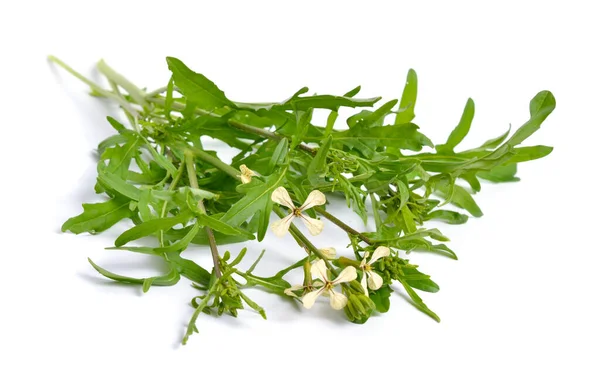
(308, 284)
(337, 300)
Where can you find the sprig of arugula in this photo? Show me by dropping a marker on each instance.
(156, 173)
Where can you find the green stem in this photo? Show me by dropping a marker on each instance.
(301, 238)
(266, 134)
(342, 225)
(189, 162)
(135, 93)
(213, 161)
(95, 88)
(163, 211)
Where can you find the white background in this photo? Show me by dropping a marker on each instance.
(519, 309)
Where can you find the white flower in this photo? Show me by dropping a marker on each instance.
(375, 281)
(336, 300)
(246, 175)
(282, 197)
(307, 289)
(329, 253)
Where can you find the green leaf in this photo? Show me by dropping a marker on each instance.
(460, 197)
(253, 201)
(406, 112)
(404, 136)
(523, 154)
(196, 87)
(222, 227)
(183, 243)
(99, 216)
(418, 302)
(150, 227)
(381, 298)
(114, 182)
(419, 280)
(461, 130)
(273, 284)
(505, 173)
(186, 267)
(318, 165)
(540, 107)
(279, 154)
(451, 217)
(169, 279)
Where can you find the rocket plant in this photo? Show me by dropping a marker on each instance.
(156, 174)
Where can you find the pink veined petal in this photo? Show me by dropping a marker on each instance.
(319, 269)
(314, 226)
(348, 274)
(282, 226)
(375, 280)
(309, 298)
(363, 283)
(337, 300)
(380, 252)
(282, 197)
(315, 198)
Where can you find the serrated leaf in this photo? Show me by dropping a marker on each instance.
(196, 87)
(169, 279)
(98, 217)
(150, 227)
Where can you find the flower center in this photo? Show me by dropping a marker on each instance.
(297, 212)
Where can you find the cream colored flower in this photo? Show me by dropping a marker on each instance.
(336, 300)
(307, 289)
(246, 175)
(282, 197)
(329, 253)
(373, 279)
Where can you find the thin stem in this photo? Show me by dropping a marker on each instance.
(214, 161)
(266, 134)
(342, 225)
(301, 238)
(189, 162)
(177, 106)
(135, 93)
(163, 212)
(95, 88)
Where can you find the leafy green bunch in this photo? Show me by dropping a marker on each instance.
(158, 175)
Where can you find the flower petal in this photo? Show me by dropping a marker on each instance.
(337, 300)
(314, 226)
(363, 283)
(246, 175)
(348, 274)
(282, 197)
(315, 198)
(380, 252)
(319, 269)
(309, 298)
(282, 226)
(329, 253)
(375, 280)
(290, 290)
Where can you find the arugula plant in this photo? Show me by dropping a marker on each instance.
(157, 174)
